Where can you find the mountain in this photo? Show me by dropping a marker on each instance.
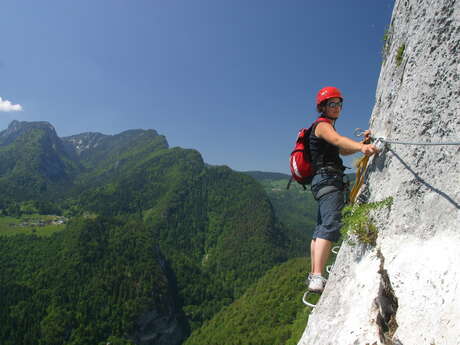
(95, 148)
(33, 161)
(36, 164)
(206, 233)
(104, 157)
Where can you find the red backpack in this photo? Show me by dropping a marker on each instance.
(300, 161)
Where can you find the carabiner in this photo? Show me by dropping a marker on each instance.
(359, 132)
(380, 143)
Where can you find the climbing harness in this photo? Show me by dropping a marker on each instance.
(335, 251)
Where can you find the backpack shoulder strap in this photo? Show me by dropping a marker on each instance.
(319, 120)
(322, 119)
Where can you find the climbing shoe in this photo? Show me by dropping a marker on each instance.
(316, 283)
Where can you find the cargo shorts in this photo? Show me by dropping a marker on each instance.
(328, 190)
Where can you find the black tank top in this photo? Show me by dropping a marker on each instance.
(323, 154)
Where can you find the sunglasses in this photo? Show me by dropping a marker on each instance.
(334, 104)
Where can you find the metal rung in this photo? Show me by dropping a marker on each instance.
(304, 300)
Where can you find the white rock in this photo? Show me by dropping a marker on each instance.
(419, 238)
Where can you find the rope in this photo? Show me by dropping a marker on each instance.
(361, 167)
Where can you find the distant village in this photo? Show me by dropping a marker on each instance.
(56, 220)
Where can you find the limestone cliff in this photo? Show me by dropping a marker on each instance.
(404, 290)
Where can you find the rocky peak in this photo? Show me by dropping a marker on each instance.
(18, 128)
(84, 141)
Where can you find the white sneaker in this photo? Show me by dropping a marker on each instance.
(317, 283)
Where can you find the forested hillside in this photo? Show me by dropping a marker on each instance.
(155, 242)
(294, 207)
(270, 311)
(96, 281)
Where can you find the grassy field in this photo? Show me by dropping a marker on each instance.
(28, 224)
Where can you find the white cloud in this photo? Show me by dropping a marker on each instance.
(8, 106)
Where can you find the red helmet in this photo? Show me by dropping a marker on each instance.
(326, 93)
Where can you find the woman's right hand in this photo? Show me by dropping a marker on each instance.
(367, 136)
(369, 149)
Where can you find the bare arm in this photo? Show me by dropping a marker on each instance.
(346, 145)
(345, 152)
(367, 135)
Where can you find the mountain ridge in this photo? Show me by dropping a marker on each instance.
(215, 228)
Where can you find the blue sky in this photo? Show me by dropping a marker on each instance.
(233, 79)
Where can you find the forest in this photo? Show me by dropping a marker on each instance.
(153, 239)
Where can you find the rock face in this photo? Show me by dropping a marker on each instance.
(166, 325)
(84, 141)
(404, 290)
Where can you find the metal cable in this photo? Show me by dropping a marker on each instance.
(359, 132)
(417, 143)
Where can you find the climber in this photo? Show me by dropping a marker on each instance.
(327, 185)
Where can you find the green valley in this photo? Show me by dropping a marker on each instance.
(121, 239)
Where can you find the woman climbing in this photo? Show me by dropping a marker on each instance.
(326, 146)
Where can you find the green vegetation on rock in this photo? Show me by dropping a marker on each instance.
(400, 54)
(358, 224)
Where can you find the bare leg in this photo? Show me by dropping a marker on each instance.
(320, 254)
(312, 254)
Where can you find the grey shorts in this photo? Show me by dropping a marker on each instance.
(330, 206)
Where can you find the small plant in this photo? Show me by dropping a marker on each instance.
(386, 35)
(386, 43)
(400, 54)
(357, 223)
